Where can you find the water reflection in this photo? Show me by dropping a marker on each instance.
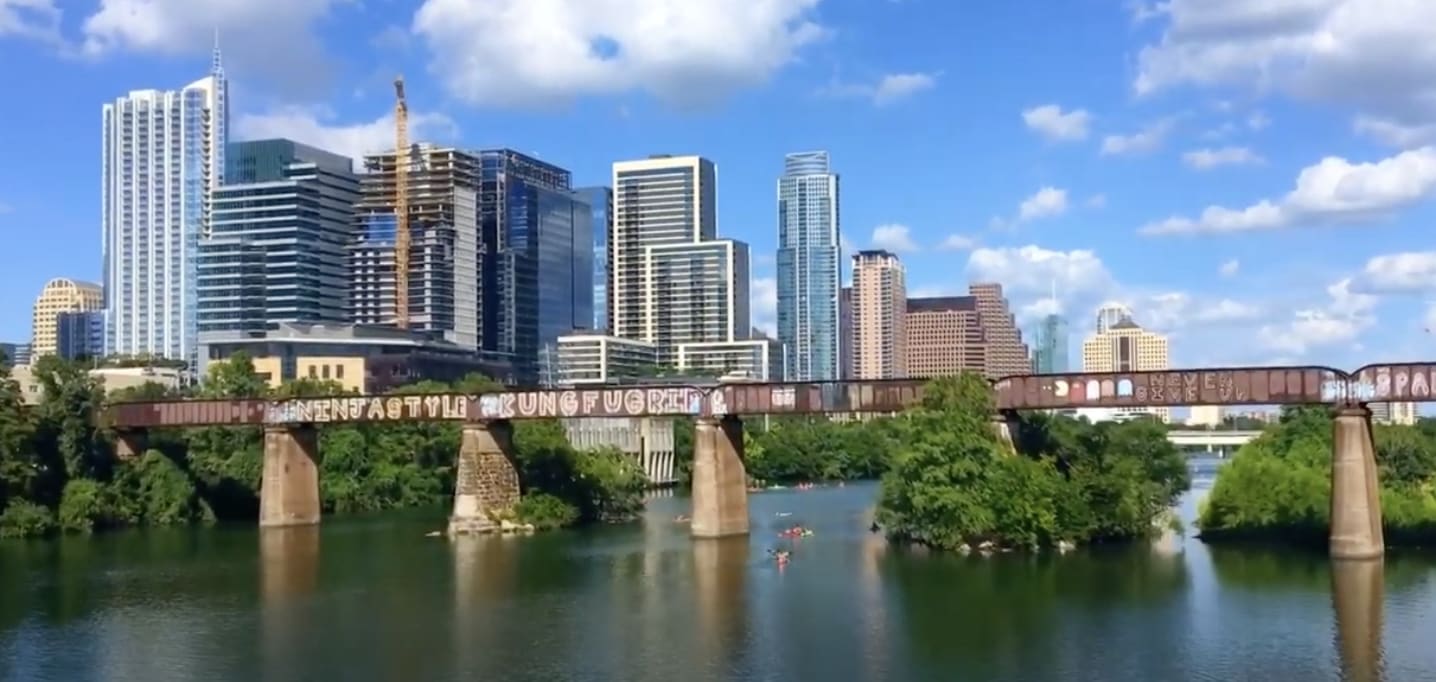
(485, 571)
(288, 574)
(720, 573)
(1357, 593)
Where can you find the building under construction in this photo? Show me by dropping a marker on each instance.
(445, 255)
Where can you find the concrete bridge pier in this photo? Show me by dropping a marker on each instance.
(1357, 593)
(1004, 424)
(289, 489)
(720, 481)
(130, 444)
(1355, 495)
(486, 484)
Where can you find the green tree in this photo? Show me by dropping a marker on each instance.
(18, 465)
(68, 417)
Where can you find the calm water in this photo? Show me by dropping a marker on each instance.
(373, 599)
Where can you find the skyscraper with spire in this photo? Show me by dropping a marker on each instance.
(162, 157)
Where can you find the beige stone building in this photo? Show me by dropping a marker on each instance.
(1125, 347)
(879, 316)
(60, 295)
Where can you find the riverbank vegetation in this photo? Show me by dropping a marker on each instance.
(58, 472)
(953, 484)
(1278, 487)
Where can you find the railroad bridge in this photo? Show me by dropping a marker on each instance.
(487, 482)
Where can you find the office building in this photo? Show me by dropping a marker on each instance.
(537, 244)
(600, 201)
(80, 335)
(1398, 413)
(365, 359)
(60, 295)
(658, 201)
(594, 358)
(751, 359)
(1123, 346)
(444, 296)
(280, 227)
(1049, 345)
(879, 316)
(808, 267)
(845, 332)
(163, 154)
(10, 352)
(951, 334)
(110, 379)
(1007, 354)
(1110, 314)
(1209, 416)
(944, 336)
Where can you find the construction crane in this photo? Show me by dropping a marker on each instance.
(401, 206)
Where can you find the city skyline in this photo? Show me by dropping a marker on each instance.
(1073, 167)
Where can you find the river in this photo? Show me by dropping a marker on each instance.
(374, 599)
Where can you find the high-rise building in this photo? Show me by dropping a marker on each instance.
(1125, 347)
(1205, 415)
(600, 201)
(16, 354)
(1110, 314)
(276, 252)
(537, 240)
(845, 332)
(80, 335)
(809, 276)
(697, 293)
(1049, 345)
(976, 332)
(656, 201)
(163, 154)
(60, 295)
(444, 301)
(879, 316)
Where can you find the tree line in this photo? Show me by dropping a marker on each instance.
(1278, 486)
(58, 472)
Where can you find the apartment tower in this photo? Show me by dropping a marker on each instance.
(879, 316)
(808, 277)
(162, 155)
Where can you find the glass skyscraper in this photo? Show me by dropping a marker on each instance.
(600, 201)
(163, 153)
(808, 262)
(276, 252)
(537, 235)
(1049, 347)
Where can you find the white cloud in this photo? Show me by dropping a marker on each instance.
(1395, 134)
(531, 53)
(887, 90)
(846, 245)
(1332, 191)
(1206, 159)
(1033, 269)
(1144, 141)
(1097, 201)
(935, 290)
(35, 19)
(957, 242)
(1340, 321)
(1046, 202)
(1230, 268)
(314, 127)
(893, 237)
(1374, 55)
(1049, 121)
(763, 302)
(263, 40)
(1399, 273)
(1040, 308)
(1258, 121)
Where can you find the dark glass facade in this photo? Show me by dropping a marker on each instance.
(600, 203)
(80, 335)
(538, 257)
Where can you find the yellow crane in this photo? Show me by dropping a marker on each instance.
(401, 206)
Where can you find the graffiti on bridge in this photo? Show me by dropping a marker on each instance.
(609, 402)
(1253, 386)
(446, 407)
(1382, 383)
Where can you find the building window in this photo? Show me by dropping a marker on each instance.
(339, 371)
(326, 371)
(313, 372)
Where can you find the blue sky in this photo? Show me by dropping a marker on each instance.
(1251, 176)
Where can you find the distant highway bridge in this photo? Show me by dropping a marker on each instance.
(1223, 442)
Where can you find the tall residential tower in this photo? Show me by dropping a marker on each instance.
(163, 154)
(879, 316)
(808, 267)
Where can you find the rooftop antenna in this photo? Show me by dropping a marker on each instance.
(215, 66)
